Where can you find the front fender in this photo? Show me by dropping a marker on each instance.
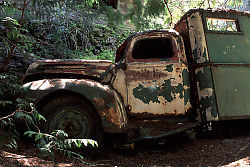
(106, 101)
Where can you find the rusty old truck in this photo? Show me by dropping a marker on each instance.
(162, 82)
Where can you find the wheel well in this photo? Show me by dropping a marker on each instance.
(60, 93)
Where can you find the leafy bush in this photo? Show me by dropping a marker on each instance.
(15, 110)
(57, 142)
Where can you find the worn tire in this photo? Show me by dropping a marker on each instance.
(74, 115)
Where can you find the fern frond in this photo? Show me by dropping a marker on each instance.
(4, 103)
(40, 135)
(79, 142)
(12, 143)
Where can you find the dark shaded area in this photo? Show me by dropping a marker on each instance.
(152, 48)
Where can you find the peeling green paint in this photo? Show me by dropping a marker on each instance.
(194, 53)
(208, 104)
(151, 94)
(186, 83)
(179, 89)
(169, 68)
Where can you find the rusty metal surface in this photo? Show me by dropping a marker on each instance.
(155, 86)
(154, 131)
(207, 105)
(106, 101)
(59, 68)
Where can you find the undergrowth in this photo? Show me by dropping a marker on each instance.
(58, 143)
(17, 112)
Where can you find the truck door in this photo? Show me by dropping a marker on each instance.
(154, 76)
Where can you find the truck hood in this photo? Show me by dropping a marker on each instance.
(66, 68)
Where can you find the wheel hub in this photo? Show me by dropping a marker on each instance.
(73, 122)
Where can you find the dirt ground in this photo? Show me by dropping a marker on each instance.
(213, 150)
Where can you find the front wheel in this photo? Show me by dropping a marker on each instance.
(74, 115)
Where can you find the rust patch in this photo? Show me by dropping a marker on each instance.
(145, 74)
(66, 68)
(99, 101)
(111, 115)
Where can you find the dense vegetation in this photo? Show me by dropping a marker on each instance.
(158, 14)
(58, 30)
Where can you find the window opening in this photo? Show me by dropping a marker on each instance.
(217, 24)
(151, 48)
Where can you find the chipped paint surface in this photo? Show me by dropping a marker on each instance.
(206, 92)
(186, 86)
(206, 95)
(158, 92)
(120, 85)
(197, 38)
(66, 68)
(229, 64)
(156, 86)
(106, 101)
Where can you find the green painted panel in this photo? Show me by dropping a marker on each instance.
(232, 89)
(230, 47)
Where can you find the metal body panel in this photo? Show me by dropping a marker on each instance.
(106, 101)
(155, 86)
(213, 53)
(119, 84)
(67, 69)
(230, 47)
(187, 90)
(232, 91)
(207, 107)
(229, 54)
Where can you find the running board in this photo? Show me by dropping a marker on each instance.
(180, 129)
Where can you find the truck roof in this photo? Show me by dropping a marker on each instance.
(214, 12)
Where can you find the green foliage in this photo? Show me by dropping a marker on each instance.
(158, 14)
(155, 8)
(63, 29)
(114, 18)
(15, 109)
(10, 90)
(57, 142)
(11, 32)
(148, 14)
